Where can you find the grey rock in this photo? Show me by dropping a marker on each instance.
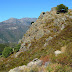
(18, 69)
(39, 34)
(35, 62)
(57, 52)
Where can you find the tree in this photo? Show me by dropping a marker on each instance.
(6, 52)
(62, 8)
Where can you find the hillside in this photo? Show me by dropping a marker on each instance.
(50, 33)
(13, 29)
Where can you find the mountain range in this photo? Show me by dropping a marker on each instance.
(13, 29)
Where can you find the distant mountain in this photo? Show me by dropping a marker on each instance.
(13, 29)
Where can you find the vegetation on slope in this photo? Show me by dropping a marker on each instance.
(7, 51)
(37, 51)
(62, 8)
(62, 41)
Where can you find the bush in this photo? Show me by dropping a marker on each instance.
(6, 52)
(17, 47)
(61, 8)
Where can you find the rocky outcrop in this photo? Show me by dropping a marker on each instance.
(36, 62)
(18, 69)
(48, 23)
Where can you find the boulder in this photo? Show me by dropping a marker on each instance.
(35, 62)
(18, 69)
(57, 52)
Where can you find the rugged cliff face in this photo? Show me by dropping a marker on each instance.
(48, 26)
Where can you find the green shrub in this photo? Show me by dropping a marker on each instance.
(17, 47)
(62, 8)
(6, 52)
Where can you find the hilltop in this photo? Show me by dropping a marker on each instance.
(50, 33)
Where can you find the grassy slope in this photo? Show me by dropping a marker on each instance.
(37, 50)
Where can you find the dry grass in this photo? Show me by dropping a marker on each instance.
(37, 50)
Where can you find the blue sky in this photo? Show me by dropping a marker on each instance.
(28, 8)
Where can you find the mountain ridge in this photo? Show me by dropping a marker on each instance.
(9, 29)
